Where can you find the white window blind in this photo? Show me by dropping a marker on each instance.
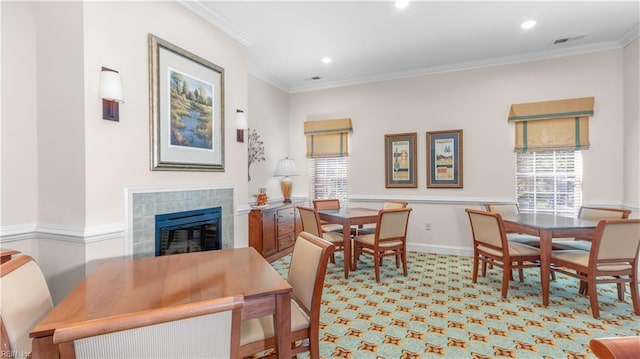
(328, 178)
(549, 182)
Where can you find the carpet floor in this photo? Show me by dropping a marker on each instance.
(437, 312)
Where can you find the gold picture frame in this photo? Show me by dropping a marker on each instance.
(186, 110)
(444, 159)
(401, 170)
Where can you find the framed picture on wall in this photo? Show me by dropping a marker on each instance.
(186, 110)
(444, 159)
(400, 160)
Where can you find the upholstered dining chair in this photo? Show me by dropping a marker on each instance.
(388, 204)
(490, 246)
(613, 258)
(626, 347)
(389, 239)
(507, 209)
(307, 271)
(593, 214)
(24, 300)
(205, 329)
(311, 224)
(328, 203)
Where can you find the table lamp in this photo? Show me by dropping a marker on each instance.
(286, 167)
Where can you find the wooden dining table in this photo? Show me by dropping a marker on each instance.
(348, 217)
(547, 227)
(134, 285)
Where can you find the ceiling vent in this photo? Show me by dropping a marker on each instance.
(313, 78)
(568, 39)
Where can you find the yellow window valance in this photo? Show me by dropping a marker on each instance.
(328, 138)
(552, 125)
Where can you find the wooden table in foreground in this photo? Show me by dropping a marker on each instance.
(547, 227)
(348, 217)
(135, 285)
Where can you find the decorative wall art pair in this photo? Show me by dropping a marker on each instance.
(444, 160)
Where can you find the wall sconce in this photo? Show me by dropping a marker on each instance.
(241, 125)
(286, 167)
(111, 94)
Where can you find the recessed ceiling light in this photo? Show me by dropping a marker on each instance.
(528, 24)
(326, 60)
(401, 4)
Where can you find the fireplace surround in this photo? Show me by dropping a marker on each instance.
(143, 204)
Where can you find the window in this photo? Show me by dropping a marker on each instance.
(328, 178)
(549, 182)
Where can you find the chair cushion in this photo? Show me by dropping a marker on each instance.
(581, 258)
(572, 245)
(369, 239)
(332, 227)
(523, 238)
(334, 237)
(252, 330)
(515, 249)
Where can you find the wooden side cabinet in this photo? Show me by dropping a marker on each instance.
(273, 230)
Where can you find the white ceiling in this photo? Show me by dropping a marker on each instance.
(372, 40)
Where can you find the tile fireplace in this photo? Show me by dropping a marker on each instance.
(144, 204)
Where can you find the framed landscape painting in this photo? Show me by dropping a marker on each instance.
(444, 159)
(400, 160)
(186, 107)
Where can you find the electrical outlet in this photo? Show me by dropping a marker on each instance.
(427, 226)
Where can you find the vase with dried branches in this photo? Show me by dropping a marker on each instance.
(255, 148)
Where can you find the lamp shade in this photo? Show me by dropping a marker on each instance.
(241, 120)
(111, 86)
(286, 167)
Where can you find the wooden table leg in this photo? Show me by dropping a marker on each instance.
(346, 242)
(43, 348)
(545, 264)
(283, 325)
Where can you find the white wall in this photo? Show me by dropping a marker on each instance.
(18, 117)
(632, 125)
(269, 115)
(64, 169)
(478, 102)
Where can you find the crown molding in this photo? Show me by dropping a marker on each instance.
(630, 36)
(498, 61)
(218, 21)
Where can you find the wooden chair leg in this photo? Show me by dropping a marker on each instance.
(520, 274)
(404, 263)
(506, 275)
(593, 298)
(376, 264)
(474, 276)
(356, 256)
(620, 291)
(635, 298)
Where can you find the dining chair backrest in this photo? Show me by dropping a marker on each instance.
(616, 241)
(505, 209)
(307, 271)
(599, 213)
(392, 224)
(24, 300)
(205, 329)
(487, 229)
(310, 221)
(329, 203)
(394, 204)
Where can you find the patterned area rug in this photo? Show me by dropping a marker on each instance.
(437, 312)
